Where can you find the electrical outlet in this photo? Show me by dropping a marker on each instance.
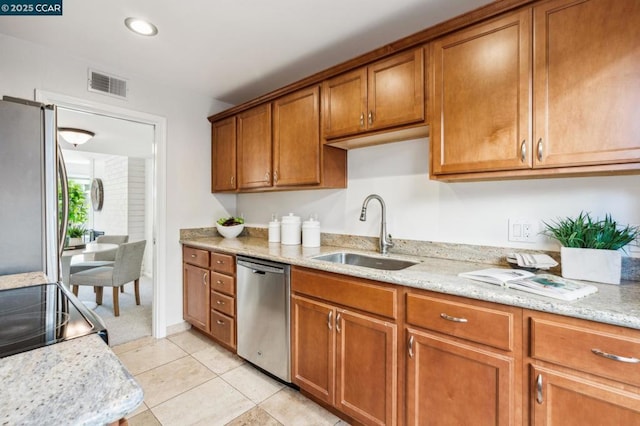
(522, 230)
(634, 246)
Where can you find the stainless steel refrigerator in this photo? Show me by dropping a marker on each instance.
(31, 236)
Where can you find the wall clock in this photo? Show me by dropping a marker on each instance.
(97, 194)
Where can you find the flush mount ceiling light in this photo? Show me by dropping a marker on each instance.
(75, 136)
(140, 26)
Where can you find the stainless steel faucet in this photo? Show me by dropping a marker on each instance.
(385, 240)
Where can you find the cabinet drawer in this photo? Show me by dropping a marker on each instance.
(223, 283)
(222, 303)
(195, 256)
(356, 293)
(223, 328)
(224, 263)
(573, 346)
(478, 324)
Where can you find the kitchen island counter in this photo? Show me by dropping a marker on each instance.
(75, 382)
(612, 304)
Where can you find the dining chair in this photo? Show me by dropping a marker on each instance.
(126, 268)
(102, 258)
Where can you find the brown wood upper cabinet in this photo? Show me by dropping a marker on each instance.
(571, 110)
(223, 155)
(384, 94)
(254, 147)
(296, 138)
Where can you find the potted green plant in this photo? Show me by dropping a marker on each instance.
(591, 247)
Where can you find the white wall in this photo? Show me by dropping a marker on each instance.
(422, 209)
(26, 66)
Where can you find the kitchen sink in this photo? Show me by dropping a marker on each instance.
(356, 259)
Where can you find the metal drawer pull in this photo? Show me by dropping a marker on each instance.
(219, 282)
(539, 398)
(219, 262)
(362, 119)
(329, 319)
(232, 179)
(219, 302)
(370, 117)
(220, 322)
(450, 318)
(193, 255)
(631, 360)
(204, 278)
(411, 347)
(338, 322)
(540, 149)
(523, 150)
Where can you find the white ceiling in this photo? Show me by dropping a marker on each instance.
(232, 50)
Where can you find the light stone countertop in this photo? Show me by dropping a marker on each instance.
(76, 382)
(613, 304)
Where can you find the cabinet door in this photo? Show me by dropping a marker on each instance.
(366, 371)
(563, 399)
(196, 296)
(345, 104)
(396, 90)
(449, 383)
(254, 147)
(587, 82)
(481, 97)
(296, 138)
(223, 155)
(313, 347)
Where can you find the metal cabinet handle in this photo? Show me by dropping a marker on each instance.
(193, 255)
(370, 116)
(266, 176)
(362, 119)
(219, 302)
(204, 278)
(220, 322)
(540, 149)
(450, 318)
(539, 398)
(219, 262)
(411, 347)
(219, 282)
(631, 360)
(338, 322)
(233, 178)
(523, 150)
(329, 319)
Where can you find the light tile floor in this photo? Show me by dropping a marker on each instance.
(189, 380)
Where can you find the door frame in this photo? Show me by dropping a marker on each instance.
(159, 320)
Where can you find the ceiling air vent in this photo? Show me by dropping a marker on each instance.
(107, 84)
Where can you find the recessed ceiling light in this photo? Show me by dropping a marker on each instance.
(140, 26)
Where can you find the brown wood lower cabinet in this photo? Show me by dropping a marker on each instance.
(463, 363)
(582, 372)
(209, 293)
(344, 358)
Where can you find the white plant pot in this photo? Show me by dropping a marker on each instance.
(75, 242)
(602, 266)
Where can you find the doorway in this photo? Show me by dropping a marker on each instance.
(153, 126)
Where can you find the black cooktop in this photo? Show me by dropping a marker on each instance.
(41, 315)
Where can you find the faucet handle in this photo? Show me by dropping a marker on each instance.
(389, 241)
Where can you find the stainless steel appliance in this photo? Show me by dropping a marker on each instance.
(31, 234)
(32, 239)
(263, 290)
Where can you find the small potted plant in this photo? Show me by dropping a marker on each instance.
(76, 234)
(590, 248)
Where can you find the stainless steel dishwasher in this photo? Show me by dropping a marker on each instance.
(263, 315)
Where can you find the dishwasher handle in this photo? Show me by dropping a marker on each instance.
(261, 268)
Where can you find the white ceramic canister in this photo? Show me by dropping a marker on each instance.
(311, 233)
(290, 229)
(274, 231)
